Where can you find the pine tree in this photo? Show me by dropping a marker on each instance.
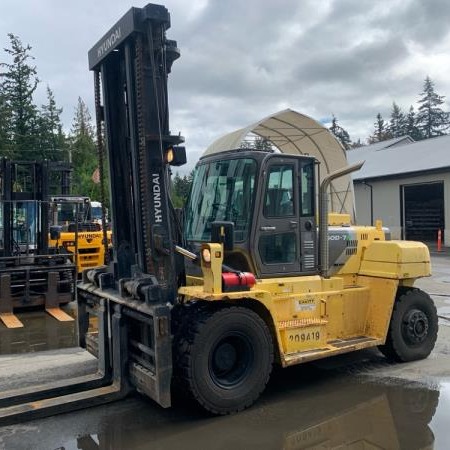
(83, 153)
(341, 134)
(356, 144)
(432, 120)
(397, 125)
(411, 125)
(5, 135)
(262, 144)
(18, 85)
(381, 132)
(255, 142)
(181, 187)
(51, 137)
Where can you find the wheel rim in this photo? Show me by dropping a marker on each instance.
(230, 361)
(415, 327)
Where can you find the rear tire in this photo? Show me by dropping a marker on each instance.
(413, 327)
(224, 358)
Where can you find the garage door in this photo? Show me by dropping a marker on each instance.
(423, 211)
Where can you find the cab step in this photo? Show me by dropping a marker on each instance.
(332, 348)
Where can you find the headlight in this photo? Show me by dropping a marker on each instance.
(169, 155)
(206, 255)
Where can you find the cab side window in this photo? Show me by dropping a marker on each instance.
(279, 248)
(279, 196)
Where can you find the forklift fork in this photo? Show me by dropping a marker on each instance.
(108, 384)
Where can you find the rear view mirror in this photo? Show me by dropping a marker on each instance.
(223, 233)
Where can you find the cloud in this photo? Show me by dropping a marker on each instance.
(241, 61)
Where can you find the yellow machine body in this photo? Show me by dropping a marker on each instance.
(87, 246)
(312, 317)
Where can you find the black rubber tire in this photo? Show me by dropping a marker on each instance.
(223, 358)
(413, 327)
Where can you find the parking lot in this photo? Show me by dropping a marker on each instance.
(354, 398)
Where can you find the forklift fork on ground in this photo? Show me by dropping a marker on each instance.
(52, 298)
(106, 385)
(133, 348)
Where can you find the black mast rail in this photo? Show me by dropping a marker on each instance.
(131, 296)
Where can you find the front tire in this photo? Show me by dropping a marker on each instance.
(413, 327)
(224, 358)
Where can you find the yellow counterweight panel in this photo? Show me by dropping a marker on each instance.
(396, 259)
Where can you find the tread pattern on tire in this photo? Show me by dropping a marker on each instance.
(189, 325)
(392, 348)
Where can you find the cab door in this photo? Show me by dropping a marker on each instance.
(285, 238)
(277, 236)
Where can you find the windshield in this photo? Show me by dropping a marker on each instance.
(96, 212)
(221, 191)
(67, 213)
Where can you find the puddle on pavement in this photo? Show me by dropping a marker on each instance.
(40, 332)
(304, 407)
(301, 409)
(441, 420)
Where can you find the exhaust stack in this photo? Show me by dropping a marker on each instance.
(323, 213)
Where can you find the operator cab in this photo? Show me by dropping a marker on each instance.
(269, 197)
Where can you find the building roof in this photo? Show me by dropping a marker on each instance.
(429, 154)
(294, 133)
(394, 142)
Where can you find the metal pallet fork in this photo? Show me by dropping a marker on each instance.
(106, 385)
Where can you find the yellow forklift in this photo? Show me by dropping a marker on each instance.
(246, 282)
(33, 273)
(75, 230)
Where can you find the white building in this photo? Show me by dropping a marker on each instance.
(407, 185)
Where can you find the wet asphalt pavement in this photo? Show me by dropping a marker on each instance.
(354, 401)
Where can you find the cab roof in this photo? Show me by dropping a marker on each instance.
(291, 132)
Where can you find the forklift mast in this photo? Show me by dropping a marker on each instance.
(29, 183)
(130, 298)
(131, 64)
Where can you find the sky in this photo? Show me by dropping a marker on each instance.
(242, 60)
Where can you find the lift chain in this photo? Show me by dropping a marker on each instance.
(101, 158)
(143, 158)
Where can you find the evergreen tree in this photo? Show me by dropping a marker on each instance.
(356, 144)
(181, 187)
(261, 143)
(5, 135)
(432, 120)
(397, 125)
(83, 153)
(341, 134)
(381, 132)
(411, 125)
(255, 142)
(19, 81)
(52, 143)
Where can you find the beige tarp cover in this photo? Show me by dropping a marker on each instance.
(297, 134)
